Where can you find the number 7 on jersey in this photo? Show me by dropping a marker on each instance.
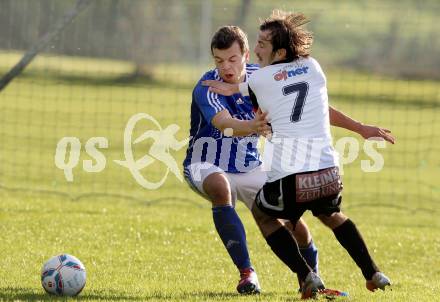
(300, 100)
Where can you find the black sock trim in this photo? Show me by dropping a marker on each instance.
(351, 239)
(284, 245)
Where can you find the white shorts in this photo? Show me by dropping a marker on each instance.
(244, 186)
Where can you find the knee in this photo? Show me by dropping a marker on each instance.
(334, 220)
(217, 187)
(266, 223)
(220, 196)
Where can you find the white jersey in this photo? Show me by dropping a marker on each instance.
(295, 96)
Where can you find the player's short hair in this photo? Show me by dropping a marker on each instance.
(225, 36)
(287, 32)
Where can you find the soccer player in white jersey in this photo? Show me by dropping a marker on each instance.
(291, 88)
(222, 181)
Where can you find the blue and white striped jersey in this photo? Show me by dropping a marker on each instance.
(207, 143)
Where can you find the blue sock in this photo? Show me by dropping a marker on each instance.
(310, 254)
(232, 233)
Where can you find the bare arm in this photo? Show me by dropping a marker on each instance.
(222, 88)
(339, 119)
(223, 120)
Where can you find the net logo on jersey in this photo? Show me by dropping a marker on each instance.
(283, 75)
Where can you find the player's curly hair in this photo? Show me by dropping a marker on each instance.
(225, 36)
(287, 32)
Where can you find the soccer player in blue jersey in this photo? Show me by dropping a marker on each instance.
(223, 163)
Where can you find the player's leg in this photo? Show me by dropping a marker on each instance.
(351, 239)
(212, 183)
(300, 231)
(305, 242)
(306, 245)
(226, 220)
(279, 238)
(282, 243)
(268, 203)
(276, 231)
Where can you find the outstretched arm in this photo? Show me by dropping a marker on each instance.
(339, 119)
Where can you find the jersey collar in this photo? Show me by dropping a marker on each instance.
(282, 62)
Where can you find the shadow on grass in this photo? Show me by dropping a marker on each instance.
(32, 294)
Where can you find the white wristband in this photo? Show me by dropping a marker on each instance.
(243, 88)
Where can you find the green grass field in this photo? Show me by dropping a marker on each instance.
(161, 245)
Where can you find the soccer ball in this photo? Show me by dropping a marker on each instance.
(63, 275)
